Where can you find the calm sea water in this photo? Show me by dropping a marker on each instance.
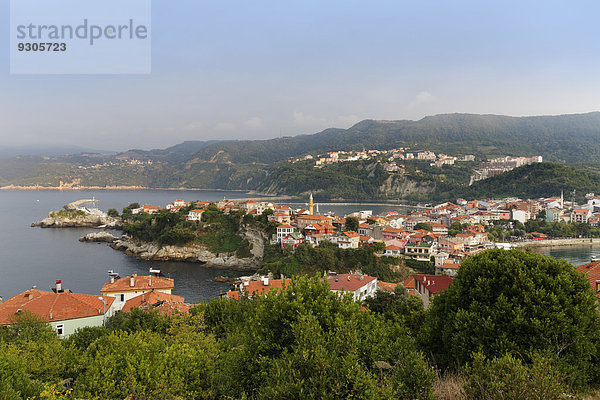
(35, 256)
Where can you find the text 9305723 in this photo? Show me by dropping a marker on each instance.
(40, 47)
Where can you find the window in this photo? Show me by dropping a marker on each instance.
(60, 330)
(122, 298)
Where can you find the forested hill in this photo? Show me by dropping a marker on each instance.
(564, 138)
(537, 180)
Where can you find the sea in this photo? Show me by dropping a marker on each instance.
(38, 257)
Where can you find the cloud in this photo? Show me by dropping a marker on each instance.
(421, 98)
(254, 124)
(225, 127)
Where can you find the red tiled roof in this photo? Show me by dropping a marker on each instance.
(386, 287)
(592, 271)
(348, 282)
(314, 217)
(257, 288)
(285, 226)
(53, 306)
(146, 283)
(409, 283)
(393, 248)
(165, 303)
(434, 283)
(351, 234)
(450, 266)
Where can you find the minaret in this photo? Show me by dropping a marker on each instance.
(310, 205)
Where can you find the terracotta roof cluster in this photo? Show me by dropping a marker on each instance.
(349, 282)
(164, 303)
(52, 306)
(145, 283)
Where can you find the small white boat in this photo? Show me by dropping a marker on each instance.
(595, 258)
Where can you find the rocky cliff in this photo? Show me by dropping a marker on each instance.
(65, 219)
(191, 253)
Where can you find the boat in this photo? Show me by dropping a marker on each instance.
(594, 259)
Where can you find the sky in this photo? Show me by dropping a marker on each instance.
(239, 69)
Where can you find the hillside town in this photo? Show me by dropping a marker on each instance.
(443, 235)
(389, 160)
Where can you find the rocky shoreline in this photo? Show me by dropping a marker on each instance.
(190, 253)
(56, 220)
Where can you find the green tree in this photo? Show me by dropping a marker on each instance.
(351, 224)
(306, 342)
(423, 226)
(519, 302)
(112, 212)
(508, 378)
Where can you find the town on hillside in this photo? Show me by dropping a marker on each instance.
(442, 235)
(390, 159)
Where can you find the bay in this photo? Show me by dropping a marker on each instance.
(37, 257)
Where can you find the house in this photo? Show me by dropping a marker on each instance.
(386, 287)
(409, 285)
(124, 289)
(365, 241)
(361, 286)
(164, 303)
(391, 233)
(438, 228)
(305, 220)
(318, 229)
(279, 217)
(293, 240)
(393, 251)
(427, 286)
(258, 288)
(63, 310)
(283, 231)
(520, 215)
(581, 215)
(554, 214)
(195, 215)
(348, 240)
(448, 268)
(150, 209)
(449, 245)
(364, 229)
(420, 252)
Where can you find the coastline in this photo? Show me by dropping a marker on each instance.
(549, 243)
(142, 188)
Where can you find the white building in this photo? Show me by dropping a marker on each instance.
(64, 311)
(124, 289)
(195, 215)
(361, 286)
(283, 231)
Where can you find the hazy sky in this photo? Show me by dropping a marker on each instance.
(260, 69)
